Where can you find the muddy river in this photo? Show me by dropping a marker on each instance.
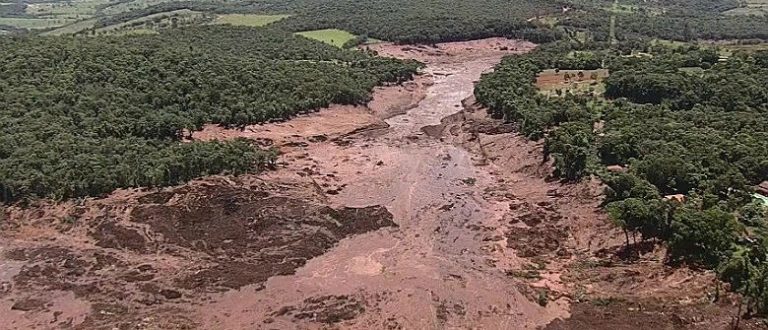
(443, 267)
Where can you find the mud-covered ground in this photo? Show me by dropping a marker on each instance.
(415, 212)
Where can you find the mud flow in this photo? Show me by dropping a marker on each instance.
(416, 211)
(445, 265)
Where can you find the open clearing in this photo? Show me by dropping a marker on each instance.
(728, 50)
(248, 19)
(334, 37)
(574, 81)
(149, 23)
(753, 7)
(77, 9)
(120, 7)
(72, 28)
(34, 23)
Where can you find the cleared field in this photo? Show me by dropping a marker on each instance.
(633, 9)
(155, 21)
(71, 28)
(751, 7)
(623, 9)
(34, 23)
(546, 20)
(248, 19)
(728, 49)
(668, 43)
(574, 81)
(121, 7)
(133, 32)
(692, 70)
(334, 37)
(77, 9)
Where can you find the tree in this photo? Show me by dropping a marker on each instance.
(570, 146)
(702, 237)
(639, 215)
(753, 214)
(669, 173)
(625, 185)
(746, 270)
(761, 58)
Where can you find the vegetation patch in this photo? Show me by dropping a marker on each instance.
(118, 7)
(750, 7)
(77, 9)
(690, 128)
(334, 37)
(152, 23)
(560, 82)
(72, 28)
(248, 19)
(729, 49)
(34, 23)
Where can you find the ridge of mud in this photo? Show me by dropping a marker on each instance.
(258, 234)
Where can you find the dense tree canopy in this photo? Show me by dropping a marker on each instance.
(681, 122)
(406, 21)
(83, 116)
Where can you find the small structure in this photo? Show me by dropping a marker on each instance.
(616, 169)
(680, 198)
(762, 188)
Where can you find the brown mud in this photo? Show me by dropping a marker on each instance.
(415, 212)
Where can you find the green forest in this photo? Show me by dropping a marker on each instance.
(680, 121)
(83, 116)
(429, 21)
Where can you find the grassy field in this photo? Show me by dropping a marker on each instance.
(248, 19)
(550, 81)
(34, 23)
(330, 36)
(547, 20)
(752, 7)
(668, 43)
(726, 49)
(623, 9)
(151, 22)
(618, 8)
(131, 5)
(729, 49)
(133, 32)
(71, 28)
(76, 9)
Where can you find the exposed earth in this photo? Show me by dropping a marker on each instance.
(414, 212)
